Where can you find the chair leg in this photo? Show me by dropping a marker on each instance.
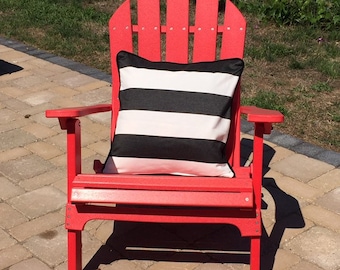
(255, 253)
(74, 250)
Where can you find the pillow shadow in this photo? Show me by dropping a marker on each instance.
(203, 243)
(8, 68)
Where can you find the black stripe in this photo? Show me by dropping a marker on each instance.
(175, 101)
(232, 66)
(140, 146)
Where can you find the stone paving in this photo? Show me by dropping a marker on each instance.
(301, 194)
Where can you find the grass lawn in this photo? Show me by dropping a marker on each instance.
(293, 69)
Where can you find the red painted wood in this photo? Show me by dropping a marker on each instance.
(161, 197)
(73, 153)
(77, 111)
(255, 252)
(233, 143)
(234, 32)
(177, 31)
(255, 114)
(120, 30)
(257, 163)
(149, 32)
(205, 30)
(74, 249)
(248, 222)
(171, 183)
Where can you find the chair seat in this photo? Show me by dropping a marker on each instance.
(163, 190)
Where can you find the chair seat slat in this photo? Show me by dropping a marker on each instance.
(156, 197)
(140, 182)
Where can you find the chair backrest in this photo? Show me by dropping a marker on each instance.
(180, 31)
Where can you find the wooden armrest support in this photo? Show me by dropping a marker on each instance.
(77, 111)
(258, 115)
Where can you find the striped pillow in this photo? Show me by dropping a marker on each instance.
(173, 118)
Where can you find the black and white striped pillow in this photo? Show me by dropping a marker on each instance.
(174, 118)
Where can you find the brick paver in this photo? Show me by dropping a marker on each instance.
(32, 263)
(301, 167)
(301, 193)
(319, 246)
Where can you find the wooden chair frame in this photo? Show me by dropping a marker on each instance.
(235, 201)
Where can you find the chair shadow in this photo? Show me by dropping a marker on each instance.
(287, 215)
(203, 243)
(8, 68)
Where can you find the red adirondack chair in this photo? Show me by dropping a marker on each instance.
(185, 199)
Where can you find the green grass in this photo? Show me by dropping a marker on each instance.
(267, 100)
(64, 27)
(324, 14)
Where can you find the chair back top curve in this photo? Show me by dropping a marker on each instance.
(179, 31)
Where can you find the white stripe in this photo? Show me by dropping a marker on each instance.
(202, 82)
(181, 125)
(163, 166)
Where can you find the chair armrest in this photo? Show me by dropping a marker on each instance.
(258, 115)
(77, 111)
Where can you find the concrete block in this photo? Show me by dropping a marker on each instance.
(6, 240)
(36, 226)
(301, 167)
(30, 264)
(39, 202)
(13, 255)
(13, 154)
(319, 246)
(43, 179)
(304, 265)
(327, 181)
(8, 189)
(44, 150)
(25, 167)
(322, 217)
(285, 259)
(50, 246)
(11, 216)
(331, 201)
(14, 139)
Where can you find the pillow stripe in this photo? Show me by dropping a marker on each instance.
(147, 166)
(168, 148)
(234, 67)
(164, 166)
(186, 102)
(191, 81)
(181, 125)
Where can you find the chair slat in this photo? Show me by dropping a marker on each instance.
(149, 32)
(156, 197)
(206, 30)
(120, 29)
(248, 222)
(234, 33)
(167, 182)
(177, 23)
